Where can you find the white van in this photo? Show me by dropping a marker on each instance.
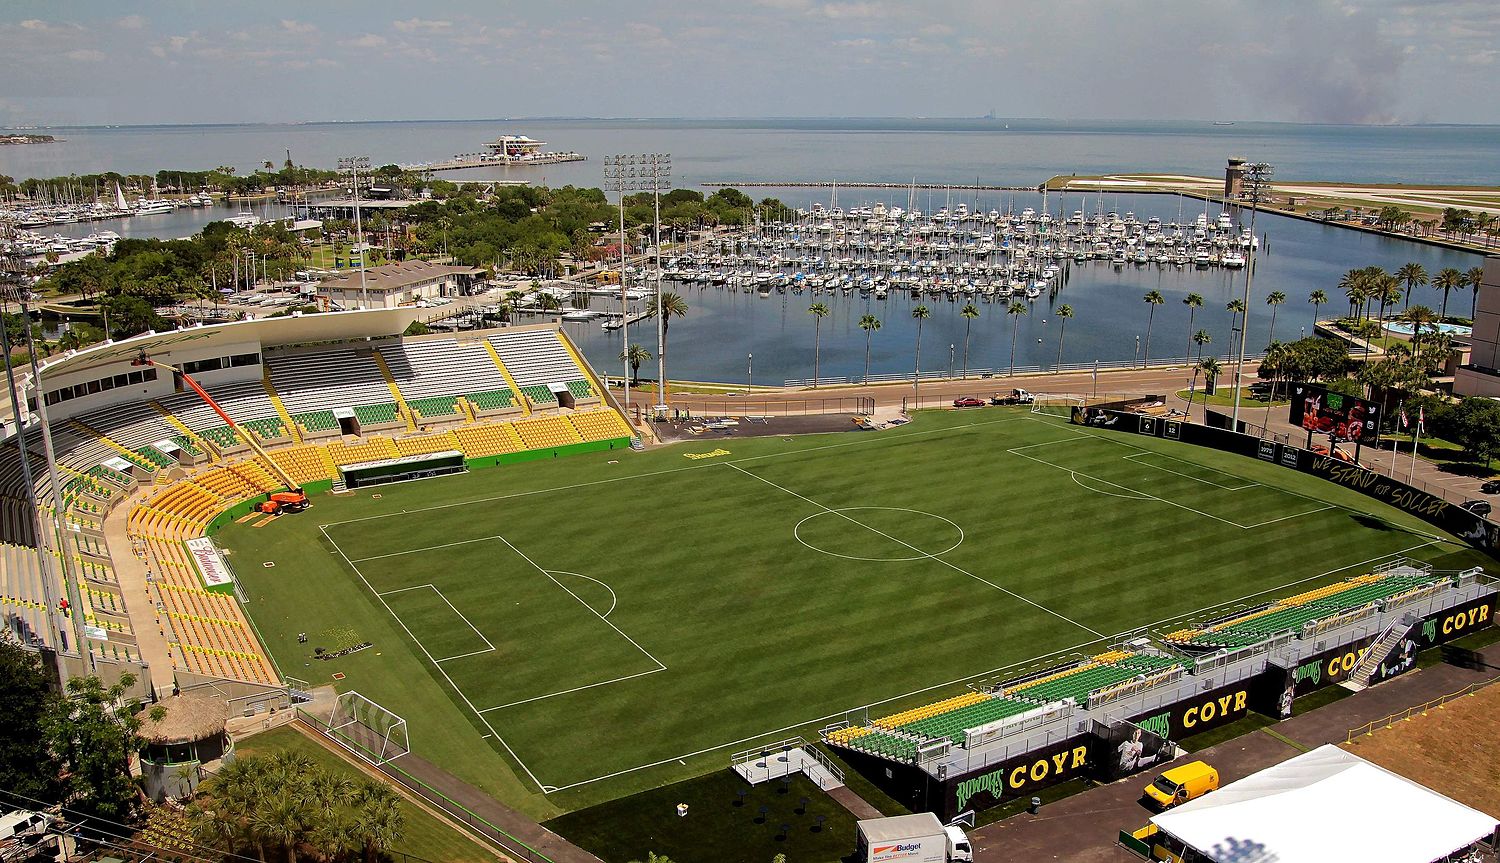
(23, 824)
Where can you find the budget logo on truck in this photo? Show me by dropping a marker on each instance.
(881, 853)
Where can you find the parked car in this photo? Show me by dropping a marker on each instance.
(1478, 507)
(1491, 487)
(1182, 783)
(968, 402)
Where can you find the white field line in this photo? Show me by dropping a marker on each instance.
(1142, 494)
(1135, 455)
(613, 600)
(435, 663)
(1076, 481)
(574, 689)
(1287, 517)
(919, 551)
(489, 648)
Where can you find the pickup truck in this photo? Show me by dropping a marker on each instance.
(1016, 397)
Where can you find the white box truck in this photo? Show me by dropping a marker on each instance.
(920, 838)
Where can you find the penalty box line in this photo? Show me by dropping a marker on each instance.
(919, 551)
(488, 647)
(435, 664)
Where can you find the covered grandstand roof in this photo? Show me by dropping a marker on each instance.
(1323, 805)
(288, 330)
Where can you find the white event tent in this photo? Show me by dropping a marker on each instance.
(1323, 805)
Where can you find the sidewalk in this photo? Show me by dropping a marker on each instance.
(1084, 827)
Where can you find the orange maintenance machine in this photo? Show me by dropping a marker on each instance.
(291, 500)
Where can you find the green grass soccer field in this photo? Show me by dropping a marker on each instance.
(570, 631)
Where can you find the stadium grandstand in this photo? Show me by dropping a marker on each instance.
(1189, 679)
(322, 395)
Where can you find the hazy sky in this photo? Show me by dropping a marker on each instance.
(203, 61)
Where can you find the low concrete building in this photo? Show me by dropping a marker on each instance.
(1480, 376)
(390, 286)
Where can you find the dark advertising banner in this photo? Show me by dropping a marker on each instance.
(1199, 713)
(1124, 748)
(1278, 687)
(1322, 412)
(1440, 628)
(1018, 776)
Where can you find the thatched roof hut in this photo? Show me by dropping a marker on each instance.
(187, 719)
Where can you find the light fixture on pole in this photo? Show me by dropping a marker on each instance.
(658, 169)
(749, 373)
(352, 164)
(1257, 181)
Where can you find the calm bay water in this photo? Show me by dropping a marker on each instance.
(722, 327)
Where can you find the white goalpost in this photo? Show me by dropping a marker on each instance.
(1057, 404)
(367, 729)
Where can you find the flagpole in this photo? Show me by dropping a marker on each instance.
(1414, 438)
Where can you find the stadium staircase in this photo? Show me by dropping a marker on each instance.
(286, 418)
(499, 364)
(1376, 654)
(192, 436)
(402, 409)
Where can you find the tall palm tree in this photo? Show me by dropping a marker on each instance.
(819, 311)
(1236, 309)
(1194, 302)
(868, 323)
(1015, 310)
(1474, 276)
(1418, 316)
(920, 313)
(1317, 298)
(969, 312)
(1211, 369)
(379, 823)
(635, 355)
(548, 303)
(1201, 338)
(672, 306)
(1153, 299)
(1274, 299)
(1447, 279)
(280, 821)
(1064, 312)
(1414, 275)
(1352, 283)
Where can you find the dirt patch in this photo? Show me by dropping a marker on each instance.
(1453, 749)
(706, 428)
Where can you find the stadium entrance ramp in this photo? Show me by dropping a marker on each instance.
(785, 758)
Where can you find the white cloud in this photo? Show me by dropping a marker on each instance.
(422, 25)
(131, 22)
(368, 40)
(300, 28)
(85, 55)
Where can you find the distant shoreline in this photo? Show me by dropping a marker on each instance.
(17, 139)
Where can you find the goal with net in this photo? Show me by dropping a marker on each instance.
(367, 729)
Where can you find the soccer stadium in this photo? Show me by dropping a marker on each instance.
(454, 556)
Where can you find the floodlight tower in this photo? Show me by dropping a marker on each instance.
(620, 175)
(1257, 183)
(49, 536)
(657, 169)
(352, 164)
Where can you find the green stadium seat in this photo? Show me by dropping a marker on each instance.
(492, 400)
(266, 427)
(434, 406)
(154, 458)
(373, 414)
(539, 395)
(186, 443)
(316, 421)
(580, 389)
(221, 436)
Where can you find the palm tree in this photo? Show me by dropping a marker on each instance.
(868, 323)
(280, 821)
(1447, 279)
(1274, 299)
(548, 303)
(1413, 274)
(920, 313)
(1194, 302)
(1317, 298)
(1236, 308)
(1474, 276)
(1352, 283)
(635, 355)
(969, 312)
(1201, 338)
(819, 311)
(672, 306)
(1418, 316)
(1152, 299)
(1064, 312)
(380, 823)
(1015, 310)
(1210, 368)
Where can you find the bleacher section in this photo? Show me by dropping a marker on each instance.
(491, 400)
(325, 380)
(599, 425)
(440, 368)
(486, 440)
(547, 432)
(246, 402)
(1289, 615)
(536, 358)
(316, 421)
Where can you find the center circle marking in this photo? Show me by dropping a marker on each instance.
(848, 510)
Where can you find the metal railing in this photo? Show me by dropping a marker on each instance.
(1368, 728)
(742, 406)
(957, 374)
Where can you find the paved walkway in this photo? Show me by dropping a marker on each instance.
(140, 601)
(856, 804)
(1084, 827)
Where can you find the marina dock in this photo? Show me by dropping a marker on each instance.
(802, 184)
(483, 160)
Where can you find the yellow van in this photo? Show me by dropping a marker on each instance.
(1183, 783)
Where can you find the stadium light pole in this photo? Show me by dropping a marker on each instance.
(1258, 175)
(352, 164)
(13, 267)
(659, 171)
(621, 175)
